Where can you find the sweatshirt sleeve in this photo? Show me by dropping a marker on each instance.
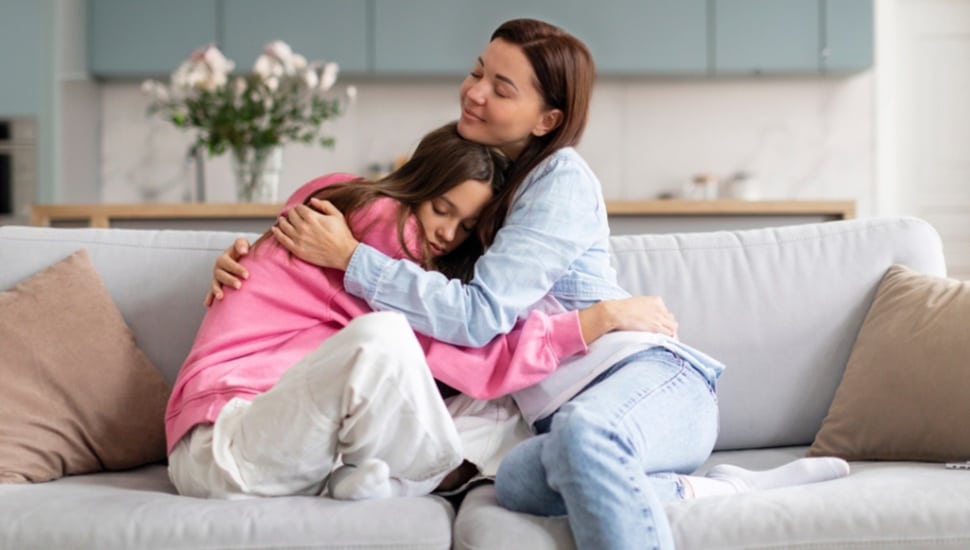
(558, 215)
(510, 362)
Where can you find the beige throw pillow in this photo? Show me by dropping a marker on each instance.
(905, 394)
(78, 395)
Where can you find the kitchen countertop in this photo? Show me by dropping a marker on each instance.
(107, 215)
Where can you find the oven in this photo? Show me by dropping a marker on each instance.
(17, 169)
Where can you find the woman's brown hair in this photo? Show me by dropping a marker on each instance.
(565, 74)
(442, 160)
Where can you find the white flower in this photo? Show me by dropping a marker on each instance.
(311, 79)
(216, 62)
(329, 76)
(267, 66)
(280, 55)
(205, 69)
(272, 83)
(352, 94)
(274, 104)
(239, 86)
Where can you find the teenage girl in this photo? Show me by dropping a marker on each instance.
(290, 377)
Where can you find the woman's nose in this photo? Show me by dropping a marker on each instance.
(476, 93)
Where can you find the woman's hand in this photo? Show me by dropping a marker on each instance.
(320, 237)
(228, 271)
(643, 313)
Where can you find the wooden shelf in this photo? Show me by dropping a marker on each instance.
(837, 210)
(103, 215)
(108, 215)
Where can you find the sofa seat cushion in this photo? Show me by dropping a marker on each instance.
(140, 509)
(881, 504)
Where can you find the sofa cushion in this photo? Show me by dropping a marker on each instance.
(904, 395)
(79, 396)
(880, 505)
(780, 307)
(141, 509)
(156, 278)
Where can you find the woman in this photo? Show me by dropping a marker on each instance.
(616, 429)
(260, 407)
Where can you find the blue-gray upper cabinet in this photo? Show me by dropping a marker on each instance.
(141, 38)
(848, 37)
(625, 36)
(26, 57)
(766, 37)
(325, 30)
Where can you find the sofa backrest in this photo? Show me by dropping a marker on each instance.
(158, 279)
(781, 307)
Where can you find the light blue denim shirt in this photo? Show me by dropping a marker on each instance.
(555, 241)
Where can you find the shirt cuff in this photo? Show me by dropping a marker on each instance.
(364, 271)
(566, 336)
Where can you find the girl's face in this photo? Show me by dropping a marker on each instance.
(500, 103)
(449, 219)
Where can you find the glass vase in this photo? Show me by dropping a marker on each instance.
(257, 171)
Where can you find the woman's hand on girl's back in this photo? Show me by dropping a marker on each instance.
(228, 271)
(643, 313)
(318, 235)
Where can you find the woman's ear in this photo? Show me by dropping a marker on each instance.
(549, 121)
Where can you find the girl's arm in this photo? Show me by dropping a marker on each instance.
(558, 215)
(536, 346)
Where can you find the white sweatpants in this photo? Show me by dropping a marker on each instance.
(366, 392)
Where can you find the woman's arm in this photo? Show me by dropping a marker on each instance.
(558, 215)
(537, 345)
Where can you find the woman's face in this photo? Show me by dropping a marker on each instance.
(500, 103)
(450, 218)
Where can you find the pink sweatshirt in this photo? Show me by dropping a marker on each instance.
(288, 307)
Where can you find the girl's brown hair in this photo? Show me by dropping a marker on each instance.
(442, 160)
(565, 74)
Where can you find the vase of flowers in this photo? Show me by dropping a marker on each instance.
(283, 99)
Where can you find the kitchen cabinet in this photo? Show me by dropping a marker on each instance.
(848, 35)
(792, 36)
(626, 37)
(135, 39)
(26, 59)
(766, 37)
(419, 38)
(324, 30)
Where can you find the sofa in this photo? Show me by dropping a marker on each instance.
(781, 307)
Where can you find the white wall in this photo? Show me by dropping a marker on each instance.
(803, 137)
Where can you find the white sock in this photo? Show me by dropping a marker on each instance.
(371, 479)
(726, 479)
(367, 480)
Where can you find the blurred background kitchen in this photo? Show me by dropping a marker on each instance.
(861, 101)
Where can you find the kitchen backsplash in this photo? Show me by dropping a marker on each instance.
(806, 138)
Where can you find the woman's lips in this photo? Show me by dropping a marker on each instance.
(435, 249)
(468, 115)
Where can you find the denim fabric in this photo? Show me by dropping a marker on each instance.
(609, 453)
(555, 241)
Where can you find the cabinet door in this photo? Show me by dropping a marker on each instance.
(128, 38)
(636, 37)
(26, 57)
(766, 37)
(432, 36)
(625, 36)
(848, 35)
(324, 30)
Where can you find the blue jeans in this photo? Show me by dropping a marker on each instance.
(608, 458)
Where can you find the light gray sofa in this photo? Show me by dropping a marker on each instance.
(781, 307)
